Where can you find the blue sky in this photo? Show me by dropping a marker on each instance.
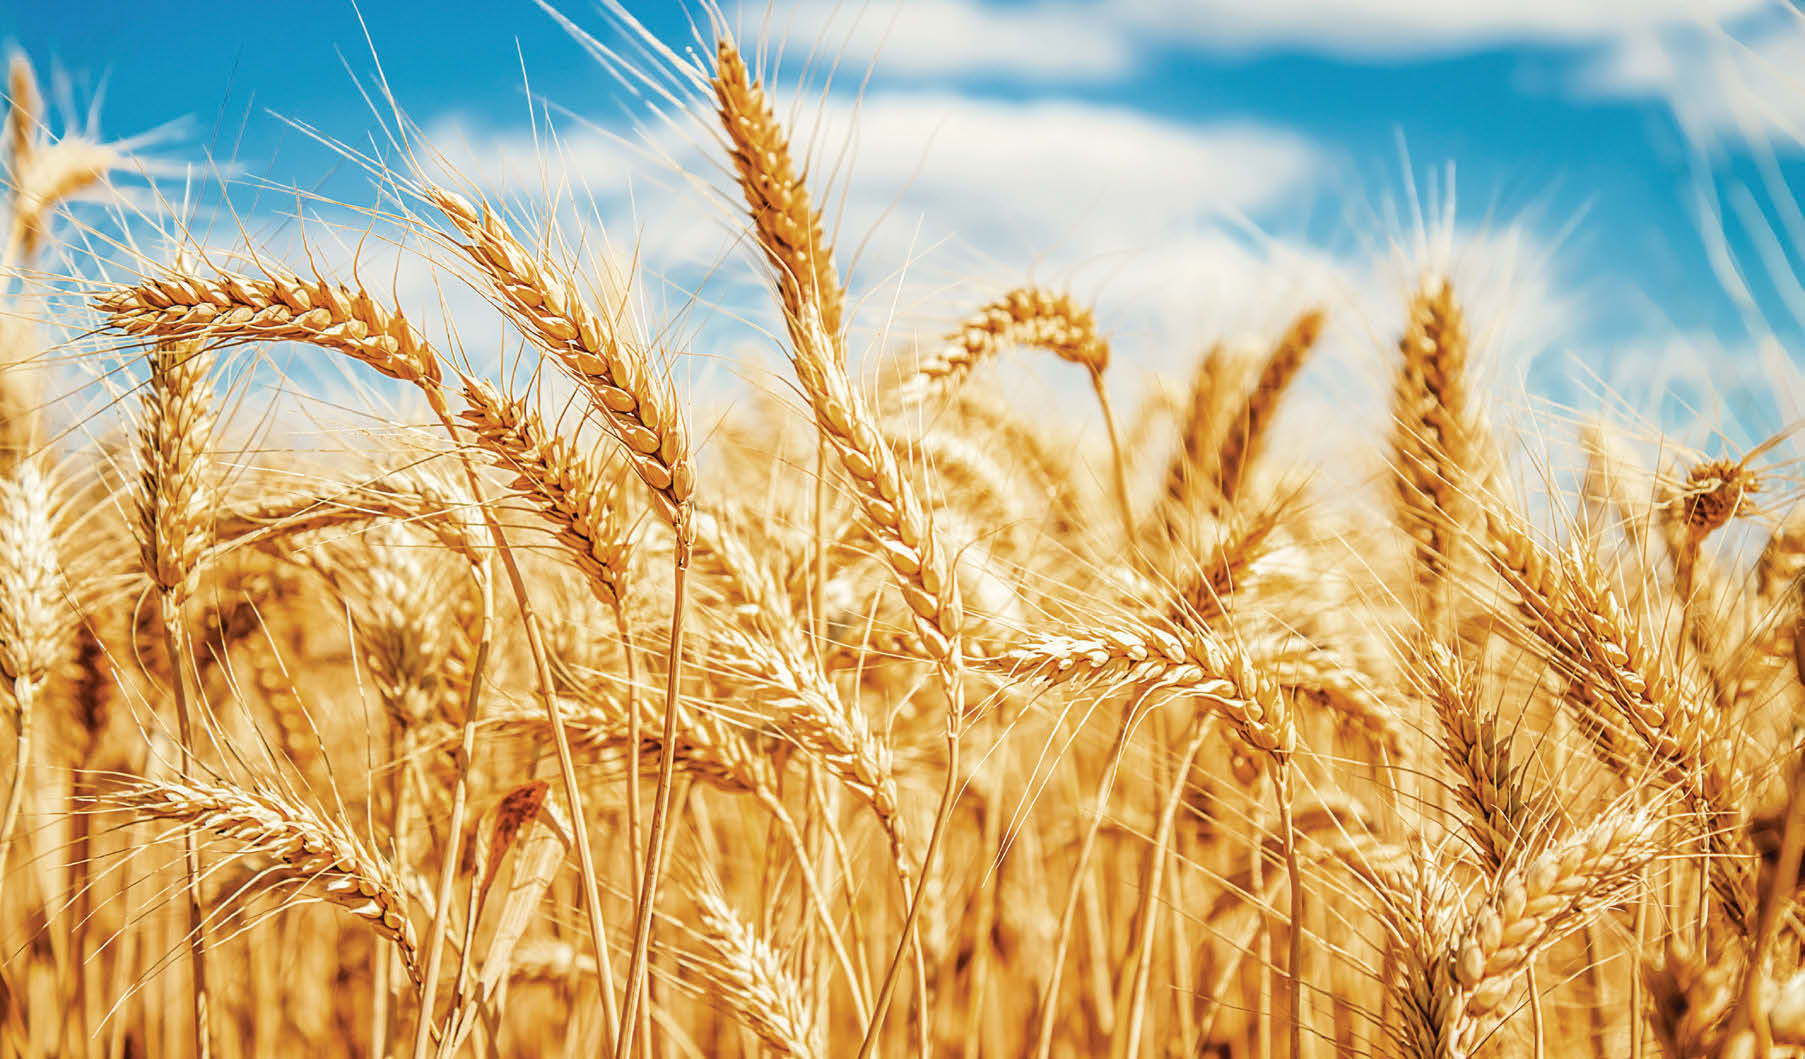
(1192, 144)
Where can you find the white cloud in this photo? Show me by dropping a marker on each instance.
(1745, 83)
(941, 191)
(1062, 41)
(1035, 179)
(1086, 40)
(1373, 28)
(948, 201)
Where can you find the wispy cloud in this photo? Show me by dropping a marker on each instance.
(1072, 41)
(1725, 84)
(1057, 42)
(1392, 28)
(1179, 233)
(937, 190)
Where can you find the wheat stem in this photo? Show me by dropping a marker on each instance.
(454, 831)
(1117, 459)
(657, 843)
(23, 695)
(1049, 997)
(1294, 877)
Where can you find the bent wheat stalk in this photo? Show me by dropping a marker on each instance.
(1030, 316)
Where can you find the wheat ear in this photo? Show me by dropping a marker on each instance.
(41, 176)
(308, 849)
(21, 113)
(1532, 907)
(1194, 662)
(1247, 431)
(746, 973)
(633, 400)
(575, 496)
(1500, 811)
(225, 308)
(786, 220)
(1434, 444)
(33, 627)
(567, 487)
(1026, 316)
(1029, 316)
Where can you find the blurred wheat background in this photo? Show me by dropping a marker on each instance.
(632, 588)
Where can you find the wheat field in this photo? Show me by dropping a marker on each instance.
(879, 715)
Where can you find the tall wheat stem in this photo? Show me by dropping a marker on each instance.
(910, 940)
(23, 694)
(657, 844)
(1294, 876)
(1043, 1036)
(542, 675)
(1119, 463)
(175, 646)
(460, 792)
(1141, 958)
(818, 899)
(635, 842)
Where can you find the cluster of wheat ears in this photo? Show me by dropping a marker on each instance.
(887, 721)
